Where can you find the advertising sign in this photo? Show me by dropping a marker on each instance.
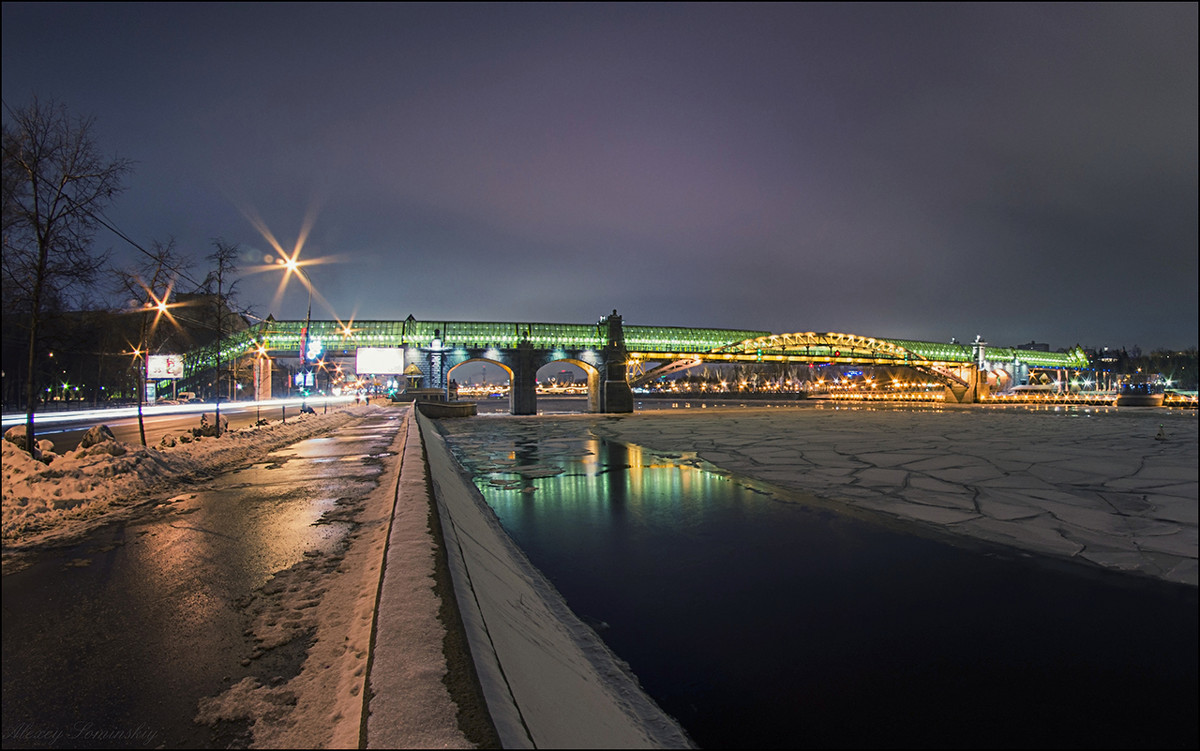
(164, 366)
(379, 360)
(313, 348)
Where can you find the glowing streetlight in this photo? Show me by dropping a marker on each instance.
(260, 353)
(292, 265)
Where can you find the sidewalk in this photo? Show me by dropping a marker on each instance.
(408, 704)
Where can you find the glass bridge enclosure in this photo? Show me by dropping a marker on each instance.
(282, 338)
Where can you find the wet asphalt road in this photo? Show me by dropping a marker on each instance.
(111, 643)
(66, 436)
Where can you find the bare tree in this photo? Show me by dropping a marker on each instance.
(149, 285)
(222, 279)
(54, 182)
(241, 370)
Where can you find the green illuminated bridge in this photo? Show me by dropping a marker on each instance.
(614, 354)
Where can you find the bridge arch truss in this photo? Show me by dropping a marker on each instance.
(948, 363)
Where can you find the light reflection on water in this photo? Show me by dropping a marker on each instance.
(601, 483)
(761, 621)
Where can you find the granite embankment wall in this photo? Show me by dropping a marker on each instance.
(549, 680)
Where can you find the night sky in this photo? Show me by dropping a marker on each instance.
(1021, 172)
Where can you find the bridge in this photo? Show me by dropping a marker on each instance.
(615, 356)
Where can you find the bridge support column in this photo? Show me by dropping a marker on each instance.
(615, 395)
(522, 395)
(976, 389)
(594, 389)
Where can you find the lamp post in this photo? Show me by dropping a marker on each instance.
(260, 351)
(293, 266)
(304, 343)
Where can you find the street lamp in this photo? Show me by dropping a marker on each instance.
(293, 266)
(259, 353)
(304, 337)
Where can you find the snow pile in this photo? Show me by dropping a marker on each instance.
(247, 700)
(88, 483)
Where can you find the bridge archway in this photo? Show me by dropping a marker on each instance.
(999, 379)
(485, 360)
(508, 372)
(521, 385)
(593, 379)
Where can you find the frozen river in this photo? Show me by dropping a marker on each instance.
(820, 577)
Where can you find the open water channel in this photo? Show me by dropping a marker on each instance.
(760, 618)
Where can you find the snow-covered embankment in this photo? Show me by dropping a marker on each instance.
(549, 681)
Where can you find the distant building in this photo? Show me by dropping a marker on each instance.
(1034, 347)
(1106, 355)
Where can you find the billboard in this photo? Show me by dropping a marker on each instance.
(164, 366)
(379, 360)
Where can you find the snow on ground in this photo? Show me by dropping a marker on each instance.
(326, 600)
(84, 487)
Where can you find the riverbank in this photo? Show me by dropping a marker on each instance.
(548, 679)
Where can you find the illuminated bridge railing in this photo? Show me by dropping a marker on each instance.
(673, 340)
(283, 337)
(941, 352)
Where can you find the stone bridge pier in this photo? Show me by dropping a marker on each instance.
(608, 387)
(975, 390)
(975, 376)
(615, 394)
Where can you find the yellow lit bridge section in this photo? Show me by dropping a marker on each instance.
(854, 349)
(850, 349)
(948, 363)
